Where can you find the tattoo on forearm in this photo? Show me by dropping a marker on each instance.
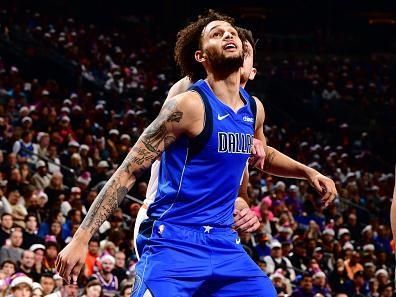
(269, 159)
(155, 139)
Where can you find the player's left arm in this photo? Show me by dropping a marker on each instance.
(279, 164)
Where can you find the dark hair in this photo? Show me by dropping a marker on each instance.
(189, 41)
(8, 262)
(247, 35)
(91, 283)
(5, 214)
(47, 274)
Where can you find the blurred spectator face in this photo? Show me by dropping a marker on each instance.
(142, 189)
(306, 283)
(37, 293)
(128, 292)
(8, 269)
(91, 196)
(57, 180)
(12, 159)
(42, 170)
(69, 291)
(16, 175)
(48, 284)
(352, 220)
(52, 151)
(355, 257)
(7, 222)
(276, 252)
(94, 291)
(387, 292)
(38, 256)
(120, 259)
(56, 228)
(383, 278)
(107, 266)
(93, 247)
(358, 280)
(27, 260)
(51, 252)
(22, 290)
(16, 238)
(319, 281)
(13, 197)
(134, 209)
(31, 224)
(76, 218)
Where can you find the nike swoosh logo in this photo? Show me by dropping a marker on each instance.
(220, 118)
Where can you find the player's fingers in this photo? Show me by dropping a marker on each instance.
(254, 227)
(317, 186)
(249, 224)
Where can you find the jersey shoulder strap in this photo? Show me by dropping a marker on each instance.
(199, 142)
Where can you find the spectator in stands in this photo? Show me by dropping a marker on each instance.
(51, 252)
(119, 269)
(92, 289)
(41, 179)
(277, 261)
(5, 229)
(38, 250)
(30, 236)
(105, 276)
(14, 251)
(93, 254)
(21, 286)
(37, 290)
(305, 288)
(26, 265)
(47, 283)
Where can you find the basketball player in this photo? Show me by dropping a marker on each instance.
(244, 219)
(205, 138)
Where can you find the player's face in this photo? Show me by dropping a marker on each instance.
(248, 72)
(221, 47)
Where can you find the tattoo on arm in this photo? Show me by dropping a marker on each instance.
(154, 140)
(269, 159)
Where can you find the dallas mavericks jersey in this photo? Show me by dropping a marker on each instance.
(199, 178)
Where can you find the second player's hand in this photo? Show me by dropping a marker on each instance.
(257, 157)
(245, 220)
(325, 187)
(71, 259)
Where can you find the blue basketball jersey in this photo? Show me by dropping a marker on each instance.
(199, 178)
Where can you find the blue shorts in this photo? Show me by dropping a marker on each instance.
(180, 261)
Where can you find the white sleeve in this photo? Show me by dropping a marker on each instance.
(290, 269)
(152, 186)
(270, 264)
(16, 147)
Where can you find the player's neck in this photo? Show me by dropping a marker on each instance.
(226, 88)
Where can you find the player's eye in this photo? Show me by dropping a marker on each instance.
(216, 34)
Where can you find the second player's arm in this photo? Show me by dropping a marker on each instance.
(277, 163)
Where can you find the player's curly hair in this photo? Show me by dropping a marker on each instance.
(247, 35)
(189, 41)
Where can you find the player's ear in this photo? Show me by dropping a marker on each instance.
(200, 56)
(253, 73)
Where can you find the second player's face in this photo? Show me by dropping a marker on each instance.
(248, 72)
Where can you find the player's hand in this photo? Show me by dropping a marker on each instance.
(71, 259)
(257, 157)
(245, 220)
(325, 187)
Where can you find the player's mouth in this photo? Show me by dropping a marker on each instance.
(230, 46)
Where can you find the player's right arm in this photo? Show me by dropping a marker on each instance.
(181, 115)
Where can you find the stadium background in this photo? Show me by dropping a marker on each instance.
(94, 73)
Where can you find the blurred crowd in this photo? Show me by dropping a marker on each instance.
(58, 147)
